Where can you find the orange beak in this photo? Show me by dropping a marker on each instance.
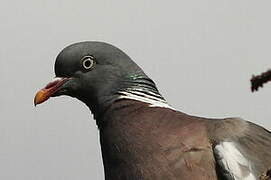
(47, 92)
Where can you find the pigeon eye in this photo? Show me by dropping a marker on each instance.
(87, 62)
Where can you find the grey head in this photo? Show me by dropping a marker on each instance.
(95, 73)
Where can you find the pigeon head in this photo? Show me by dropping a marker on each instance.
(95, 73)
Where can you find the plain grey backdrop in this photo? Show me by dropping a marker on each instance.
(201, 54)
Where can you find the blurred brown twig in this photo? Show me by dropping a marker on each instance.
(260, 80)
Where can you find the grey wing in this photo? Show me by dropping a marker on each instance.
(242, 149)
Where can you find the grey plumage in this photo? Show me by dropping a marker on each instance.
(141, 136)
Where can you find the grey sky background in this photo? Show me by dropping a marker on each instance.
(201, 54)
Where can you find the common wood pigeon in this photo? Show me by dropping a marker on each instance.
(142, 137)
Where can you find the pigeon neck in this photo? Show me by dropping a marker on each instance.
(141, 86)
(143, 89)
(138, 88)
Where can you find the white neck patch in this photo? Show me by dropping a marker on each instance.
(233, 161)
(142, 97)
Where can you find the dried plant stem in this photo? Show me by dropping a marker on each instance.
(260, 80)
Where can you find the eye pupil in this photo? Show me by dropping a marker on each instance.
(88, 62)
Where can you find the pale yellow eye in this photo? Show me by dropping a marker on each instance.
(87, 62)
